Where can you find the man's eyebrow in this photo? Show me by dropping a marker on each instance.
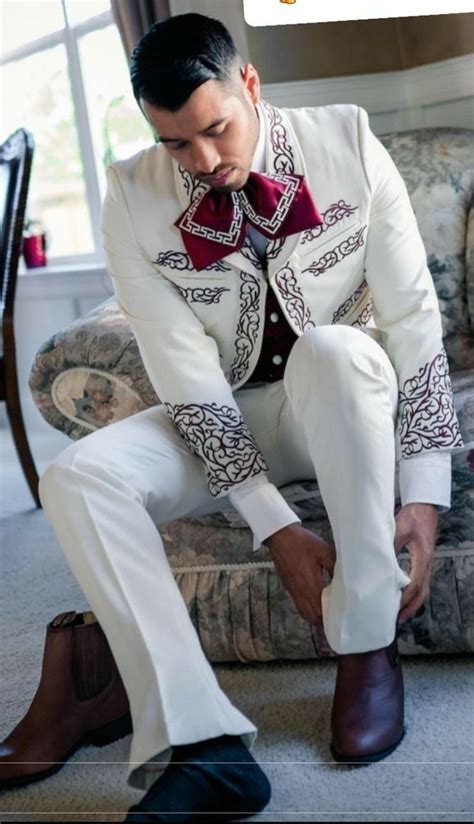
(179, 139)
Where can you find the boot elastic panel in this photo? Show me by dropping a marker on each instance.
(72, 619)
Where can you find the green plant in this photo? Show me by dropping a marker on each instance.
(109, 155)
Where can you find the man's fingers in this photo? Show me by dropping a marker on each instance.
(409, 593)
(308, 603)
(310, 613)
(413, 590)
(420, 567)
(403, 534)
(328, 557)
(415, 594)
(412, 608)
(400, 541)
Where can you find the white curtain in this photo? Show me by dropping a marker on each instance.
(229, 12)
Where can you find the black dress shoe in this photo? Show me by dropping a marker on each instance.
(217, 779)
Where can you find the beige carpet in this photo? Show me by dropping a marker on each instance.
(428, 778)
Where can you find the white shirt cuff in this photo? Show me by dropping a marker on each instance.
(426, 479)
(423, 479)
(263, 507)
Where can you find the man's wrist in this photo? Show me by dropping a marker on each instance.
(422, 503)
(282, 537)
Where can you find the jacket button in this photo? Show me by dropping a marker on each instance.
(277, 359)
(274, 317)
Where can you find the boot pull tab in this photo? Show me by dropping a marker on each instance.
(64, 619)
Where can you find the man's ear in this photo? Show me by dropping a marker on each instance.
(251, 81)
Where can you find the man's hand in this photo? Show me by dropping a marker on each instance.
(300, 558)
(416, 527)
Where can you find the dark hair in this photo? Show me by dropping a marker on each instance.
(176, 56)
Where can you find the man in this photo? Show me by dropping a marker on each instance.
(270, 266)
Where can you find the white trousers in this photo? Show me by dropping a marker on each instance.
(332, 417)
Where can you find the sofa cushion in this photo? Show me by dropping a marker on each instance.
(437, 166)
(241, 610)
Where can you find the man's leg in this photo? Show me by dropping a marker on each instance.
(105, 496)
(342, 402)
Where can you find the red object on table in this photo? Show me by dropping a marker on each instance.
(34, 250)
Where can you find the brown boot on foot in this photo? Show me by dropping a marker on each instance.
(368, 706)
(80, 700)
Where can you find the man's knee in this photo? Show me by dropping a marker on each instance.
(51, 481)
(81, 462)
(331, 341)
(328, 349)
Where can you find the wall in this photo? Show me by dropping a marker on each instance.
(303, 52)
(437, 37)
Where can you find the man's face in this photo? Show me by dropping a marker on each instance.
(214, 134)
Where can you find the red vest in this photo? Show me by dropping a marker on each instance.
(278, 338)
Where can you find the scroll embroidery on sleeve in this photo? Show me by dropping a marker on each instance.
(427, 418)
(220, 436)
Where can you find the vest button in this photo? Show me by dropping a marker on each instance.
(274, 317)
(277, 359)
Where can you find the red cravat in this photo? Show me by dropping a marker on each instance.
(214, 225)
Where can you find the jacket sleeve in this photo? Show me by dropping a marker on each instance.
(264, 508)
(181, 360)
(406, 308)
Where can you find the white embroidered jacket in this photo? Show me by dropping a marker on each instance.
(200, 332)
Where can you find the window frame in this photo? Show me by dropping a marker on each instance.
(69, 36)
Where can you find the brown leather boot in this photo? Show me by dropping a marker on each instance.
(80, 700)
(368, 706)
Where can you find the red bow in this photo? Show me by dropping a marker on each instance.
(214, 225)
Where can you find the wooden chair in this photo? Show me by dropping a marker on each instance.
(16, 155)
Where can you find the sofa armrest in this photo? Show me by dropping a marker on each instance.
(90, 373)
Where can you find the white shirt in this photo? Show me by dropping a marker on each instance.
(423, 479)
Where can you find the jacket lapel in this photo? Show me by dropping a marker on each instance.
(187, 187)
(283, 156)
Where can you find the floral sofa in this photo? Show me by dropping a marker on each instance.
(90, 374)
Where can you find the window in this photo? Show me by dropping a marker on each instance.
(64, 77)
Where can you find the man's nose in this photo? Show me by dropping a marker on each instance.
(205, 158)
